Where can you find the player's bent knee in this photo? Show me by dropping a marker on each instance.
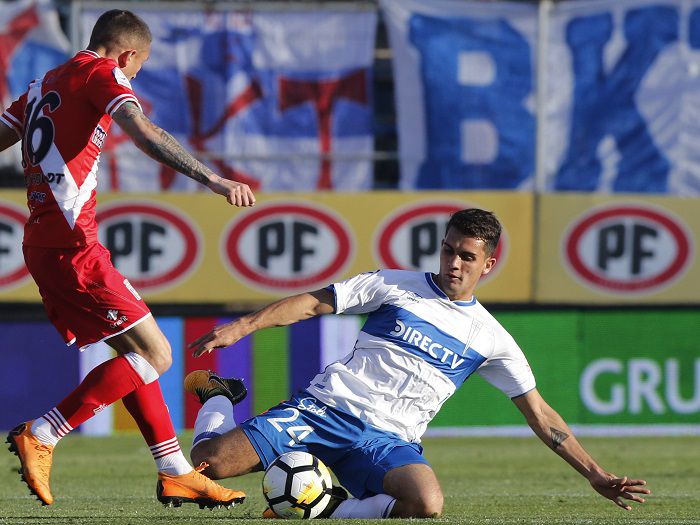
(161, 363)
(424, 506)
(160, 358)
(429, 509)
(433, 508)
(165, 360)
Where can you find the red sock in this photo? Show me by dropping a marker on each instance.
(105, 384)
(147, 406)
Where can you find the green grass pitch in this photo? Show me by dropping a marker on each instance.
(485, 481)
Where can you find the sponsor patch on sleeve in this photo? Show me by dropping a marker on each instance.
(121, 77)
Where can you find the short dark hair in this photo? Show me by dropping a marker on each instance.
(478, 224)
(119, 27)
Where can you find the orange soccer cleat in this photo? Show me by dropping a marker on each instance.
(195, 487)
(35, 460)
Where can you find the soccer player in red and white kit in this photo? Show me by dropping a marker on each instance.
(62, 121)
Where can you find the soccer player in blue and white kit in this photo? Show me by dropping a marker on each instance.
(364, 415)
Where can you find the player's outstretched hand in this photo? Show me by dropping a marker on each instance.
(236, 193)
(220, 337)
(619, 489)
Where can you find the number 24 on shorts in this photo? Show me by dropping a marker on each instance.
(296, 432)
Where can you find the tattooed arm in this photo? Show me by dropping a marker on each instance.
(162, 146)
(553, 431)
(556, 434)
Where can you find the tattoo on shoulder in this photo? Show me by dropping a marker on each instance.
(558, 437)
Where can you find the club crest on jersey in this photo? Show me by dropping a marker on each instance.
(113, 315)
(424, 343)
(473, 332)
(99, 135)
(121, 77)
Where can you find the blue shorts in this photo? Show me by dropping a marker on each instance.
(358, 454)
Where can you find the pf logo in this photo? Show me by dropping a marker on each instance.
(12, 269)
(627, 249)
(287, 246)
(412, 238)
(153, 246)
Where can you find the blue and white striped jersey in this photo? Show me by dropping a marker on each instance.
(415, 349)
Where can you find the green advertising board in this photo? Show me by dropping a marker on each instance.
(599, 367)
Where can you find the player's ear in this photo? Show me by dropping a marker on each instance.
(490, 262)
(125, 57)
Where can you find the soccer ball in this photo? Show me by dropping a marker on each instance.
(297, 485)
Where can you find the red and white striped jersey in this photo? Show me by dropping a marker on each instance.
(63, 120)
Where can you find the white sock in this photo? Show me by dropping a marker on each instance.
(169, 458)
(214, 418)
(142, 367)
(50, 427)
(378, 506)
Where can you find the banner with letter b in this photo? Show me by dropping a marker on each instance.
(465, 78)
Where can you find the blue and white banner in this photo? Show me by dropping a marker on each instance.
(618, 106)
(31, 43)
(464, 73)
(622, 109)
(287, 95)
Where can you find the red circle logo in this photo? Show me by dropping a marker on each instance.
(153, 246)
(628, 249)
(12, 268)
(411, 238)
(287, 246)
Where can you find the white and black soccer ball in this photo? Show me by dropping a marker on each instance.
(297, 485)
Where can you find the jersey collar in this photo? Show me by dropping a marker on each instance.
(437, 290)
